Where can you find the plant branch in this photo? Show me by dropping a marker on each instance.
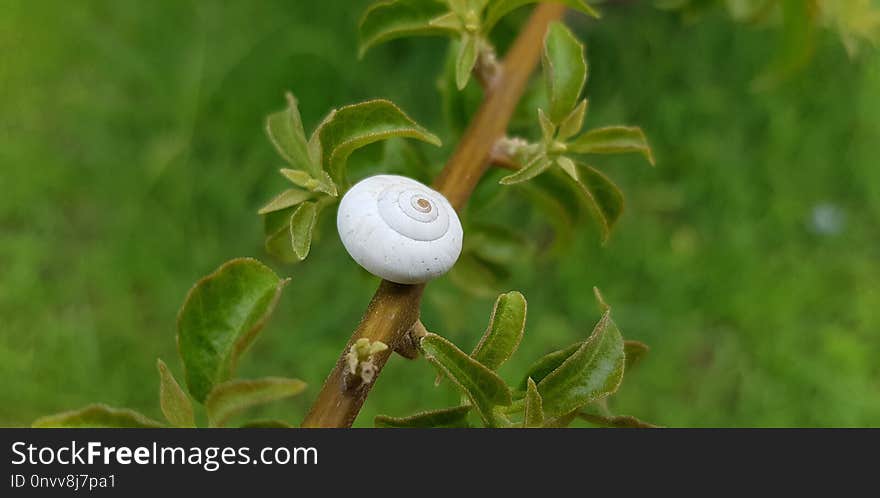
(395, 307)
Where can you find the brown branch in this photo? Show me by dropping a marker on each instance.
(394, 307)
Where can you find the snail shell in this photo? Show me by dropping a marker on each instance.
(399, 229)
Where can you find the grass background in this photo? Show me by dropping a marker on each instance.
(132, 161)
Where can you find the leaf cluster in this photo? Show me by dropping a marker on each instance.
(469, 22)
(563, 145)
(317, 166)
(220, 318)
(554, 390)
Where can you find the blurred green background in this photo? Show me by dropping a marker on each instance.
(133, 159)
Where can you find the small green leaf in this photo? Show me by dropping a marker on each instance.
(617, 421)
(445, 417)
(560, 421)
(593, 372)
(276, 226)
(505, 331)
(482, 386)
(500, 8)
(97, 416)
(175, 404)
(547, 364)
(797, 41)
(231, 397)
(458, 6)
(358, 125)
(467, 58)
(286, 133)
(604, 196)
(389, 20)
(288, 198)
(477, 5)
(565, 70)
(548, 129)
(302, 179)
(535, 167)
(302, 224)
(220, 318)
(266, 424)
(297, 177)
(572, 124)
(568, 166)
(635, 352)
(533, 415)
(600, 300)
(450, 21)
(613, 140)
(458, 106)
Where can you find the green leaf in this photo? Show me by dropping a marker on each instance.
(604, 196)
(266, 424)
(505, 331)
(500, 8)
(535, 167)
(635, 352)
(355, 126)
(231, 397)
(560, 421)
(565, 70)
(458, 106)
(548, 128)
(547, 364)
(568, 166)
(302, 224)
(797, 42)
(286, 133)
(477, 5)
(613, 140)
(276, 226)
(572, 124)
(593, 372)
(97, 416)
(458, 6)
(446, 417)
(302, 179)
(533, 415)
(482, 386)
(449, 21)
(288, 198)
(385, 21)
(289, 229)
(617, 421)
(175, 404)
(220, 318)
(468, 52)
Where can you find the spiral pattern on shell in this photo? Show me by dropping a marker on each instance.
(399, 229)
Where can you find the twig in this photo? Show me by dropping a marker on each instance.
(394, 307)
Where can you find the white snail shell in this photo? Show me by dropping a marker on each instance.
(399, 229)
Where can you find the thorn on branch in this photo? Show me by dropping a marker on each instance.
(504, 151)
(409, 343)
(488, 70)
